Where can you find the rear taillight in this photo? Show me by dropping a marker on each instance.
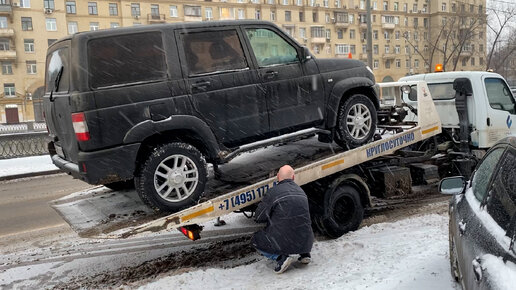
(80, 127)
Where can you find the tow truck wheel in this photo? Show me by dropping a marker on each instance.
(343, 211)
(356, 122)
(172, 177)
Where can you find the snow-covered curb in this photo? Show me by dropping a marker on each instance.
(26, 165)
(408, 254)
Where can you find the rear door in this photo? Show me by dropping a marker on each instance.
(294, 97)
(56, 101)
(223, 87)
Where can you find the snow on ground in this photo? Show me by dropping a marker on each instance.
(23, 165)
(408, 254)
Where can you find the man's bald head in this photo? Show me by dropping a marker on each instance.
(285, 172)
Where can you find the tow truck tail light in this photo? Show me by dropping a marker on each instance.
(80, 127)
(193, 232)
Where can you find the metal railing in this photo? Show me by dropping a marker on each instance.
(22, 128)
(23, 144)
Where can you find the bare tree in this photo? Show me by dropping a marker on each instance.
(499, 18)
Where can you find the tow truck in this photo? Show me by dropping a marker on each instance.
(335, 183)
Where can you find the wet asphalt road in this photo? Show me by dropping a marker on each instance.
(24, 202)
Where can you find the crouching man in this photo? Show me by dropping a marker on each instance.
(288, 232)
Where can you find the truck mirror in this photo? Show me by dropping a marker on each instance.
(452, 185)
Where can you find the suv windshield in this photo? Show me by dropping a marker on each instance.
(57, 60)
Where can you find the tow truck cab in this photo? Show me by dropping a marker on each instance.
(491, 108)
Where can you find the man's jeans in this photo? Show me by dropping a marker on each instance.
(268, 255)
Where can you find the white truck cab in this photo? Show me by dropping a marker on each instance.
(491, 107)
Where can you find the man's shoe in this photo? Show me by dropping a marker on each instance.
(305, 258)
(283, 263)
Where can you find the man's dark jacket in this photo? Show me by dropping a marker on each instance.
(285, 210)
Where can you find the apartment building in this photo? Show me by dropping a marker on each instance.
(409, 36)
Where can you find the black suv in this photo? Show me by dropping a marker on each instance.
(155, 103)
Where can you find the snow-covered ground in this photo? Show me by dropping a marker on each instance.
(24, 165)
(408, 254)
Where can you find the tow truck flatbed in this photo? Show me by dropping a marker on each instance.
(238, 197)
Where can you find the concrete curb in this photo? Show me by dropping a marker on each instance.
(30, 174)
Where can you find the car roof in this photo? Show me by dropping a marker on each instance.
(449, 76)
(154, 27)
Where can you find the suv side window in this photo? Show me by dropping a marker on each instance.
(501, 203)
(57, 60)
(126, 59)
(213, 51)
(269, 48)
(483, 173)
(499, 95)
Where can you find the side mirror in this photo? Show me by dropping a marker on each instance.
(452, 185)
(305, 54)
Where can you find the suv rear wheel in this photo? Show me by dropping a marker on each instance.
(172, 177)
(356, 122)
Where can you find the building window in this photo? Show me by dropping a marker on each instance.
(301, 17)
(341, 48)
(257, 14)
(26, 23)
(51, 24)
(387, 64)
(385, 5)
(386, 35)
(194, 11)
(327, 17)
(9, 90)
(387, 49)
(273, 15)
(315, 17)
(92, 8)
(340, 34)
(376, 64)
(407, 49)
(302, 32)
(416, 63)
(208, 12)
(317, 32)
(72, 27)
(94, 26)
(31, 67)
(288, 16)
(375, 34)
(472, 61)
(7, 68)
(241, 13)
(25, 3)
(285, 2)
(414, 8)
(28, 44)
(328, 34)
(3, 22)
(375, 49)
(50, 41)
(463, 62)
(397, 35)
(398, 63)
(4, 44)
(443, 6)
(352, 34)
(396, 6)
(113, 9)
(154, 10)
(70, 7)
(49, 4)
(135, 9)
(114, 25)
(173, 11)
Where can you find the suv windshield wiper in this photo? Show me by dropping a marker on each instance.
(56, 84)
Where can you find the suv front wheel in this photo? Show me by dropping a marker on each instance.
(356, 122)
(172, 177)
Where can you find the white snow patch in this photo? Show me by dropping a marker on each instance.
(408, 254)
(23, 165)
(503, 275)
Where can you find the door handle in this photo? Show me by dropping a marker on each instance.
(477, 269)
(462, 227)
(271, 74)
(201, 85)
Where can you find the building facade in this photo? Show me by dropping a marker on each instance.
(409, 36)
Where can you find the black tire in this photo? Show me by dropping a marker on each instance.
(364, 121)
(343, 211)
(184, 182)
(121, 185)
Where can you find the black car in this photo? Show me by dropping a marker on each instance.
(155, 103)
(483, 221)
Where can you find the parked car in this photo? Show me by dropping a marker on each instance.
(155, 103)
(483, 221)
